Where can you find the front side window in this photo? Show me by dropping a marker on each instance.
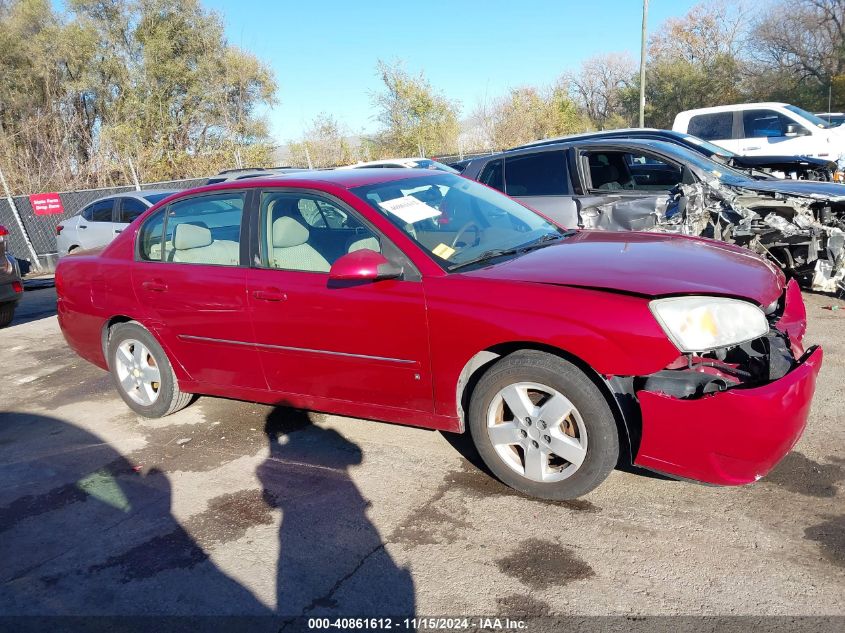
(130, 208)
(201, 230)
(712, 127)
(456, 220)
(633, 171)
(303, 232)
(765, 124)
(540, 174)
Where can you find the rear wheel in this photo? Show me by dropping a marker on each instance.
(7, 313)
(543, 427)
(142, 373)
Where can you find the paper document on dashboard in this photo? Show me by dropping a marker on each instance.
(409, 209)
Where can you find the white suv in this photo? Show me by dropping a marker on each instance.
(755, 129)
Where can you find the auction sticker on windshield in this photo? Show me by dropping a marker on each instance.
(409, 209)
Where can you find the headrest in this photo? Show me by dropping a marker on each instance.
(288, 232)
(191, 236)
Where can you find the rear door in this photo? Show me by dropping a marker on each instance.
(191, 277)
(96, 226)
(718, 128)
(541, 180)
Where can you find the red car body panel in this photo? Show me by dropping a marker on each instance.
(398, 350)
(728, 438)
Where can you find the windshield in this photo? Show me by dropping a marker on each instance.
(711, 168)
(456, 220)
(154, 198)
(710, 148)
(812, 118)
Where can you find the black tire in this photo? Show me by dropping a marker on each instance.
(7, 313)
(546, 369)
(170, 399)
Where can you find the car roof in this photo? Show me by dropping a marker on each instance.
(642, 143)
(134, 194)
(602, 134)
(345, 178)
(734, 107)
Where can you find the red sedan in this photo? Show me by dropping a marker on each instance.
(426, 299)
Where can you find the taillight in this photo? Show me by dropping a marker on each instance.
(17, 287)
(59, 229)
(3, 231)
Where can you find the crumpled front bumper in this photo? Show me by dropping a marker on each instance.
(728, 438)
(736, 436)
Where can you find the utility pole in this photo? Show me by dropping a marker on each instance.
(642, 64)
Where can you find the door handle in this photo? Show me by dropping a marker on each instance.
(118, 230)
(270, 294)
(83, 226)
(156, 285)
(750, 149)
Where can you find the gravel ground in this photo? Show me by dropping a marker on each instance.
(236, 508)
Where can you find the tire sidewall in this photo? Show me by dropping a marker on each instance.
(161, 406)
(554, 372)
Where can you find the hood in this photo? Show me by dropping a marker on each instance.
(650, 264)
(807, 188)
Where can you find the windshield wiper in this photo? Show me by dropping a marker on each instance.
(545, 240)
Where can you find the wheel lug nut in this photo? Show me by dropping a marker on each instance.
(547, 439)
(535, 444)
(523, 433)
(528, 421)
(542, 424)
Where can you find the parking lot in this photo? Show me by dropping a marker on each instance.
(236, 508)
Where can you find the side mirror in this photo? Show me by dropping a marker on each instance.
(363, 265)
(793, 129)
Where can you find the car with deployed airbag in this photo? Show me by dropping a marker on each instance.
(424, 298)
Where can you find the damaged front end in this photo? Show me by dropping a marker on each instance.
(804, 234)
(728, 416)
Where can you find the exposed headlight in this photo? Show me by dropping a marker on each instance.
(698, 324)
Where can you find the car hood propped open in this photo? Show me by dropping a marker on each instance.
(649, 264)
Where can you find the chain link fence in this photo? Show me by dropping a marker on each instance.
(40, 230)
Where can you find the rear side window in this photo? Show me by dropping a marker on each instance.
(201, 230)
(540, 174)
(130, 208)
(99, 211)
(714, 126)
(492, 175)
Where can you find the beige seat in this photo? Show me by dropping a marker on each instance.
(194, 244)
(368, 243)
(291, 250)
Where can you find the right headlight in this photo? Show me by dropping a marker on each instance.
(699, 324)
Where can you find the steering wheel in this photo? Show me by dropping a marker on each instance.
(464, 229)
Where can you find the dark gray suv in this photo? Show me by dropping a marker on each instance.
(11, 288)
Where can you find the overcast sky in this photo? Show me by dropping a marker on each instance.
(324, 52)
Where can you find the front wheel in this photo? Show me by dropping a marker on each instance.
(142, 373)
(543, 427)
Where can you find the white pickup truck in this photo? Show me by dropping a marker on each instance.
(755, 129)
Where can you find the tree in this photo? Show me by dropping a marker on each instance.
(415, 119)
(527, 114)
(154, 80)
(808, 57)
(694, 61)
(324, 144)
(598, 87)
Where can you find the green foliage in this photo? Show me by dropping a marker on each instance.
(154, 80)
(415, 118)
(528, 114)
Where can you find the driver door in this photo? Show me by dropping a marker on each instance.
(365, 343)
